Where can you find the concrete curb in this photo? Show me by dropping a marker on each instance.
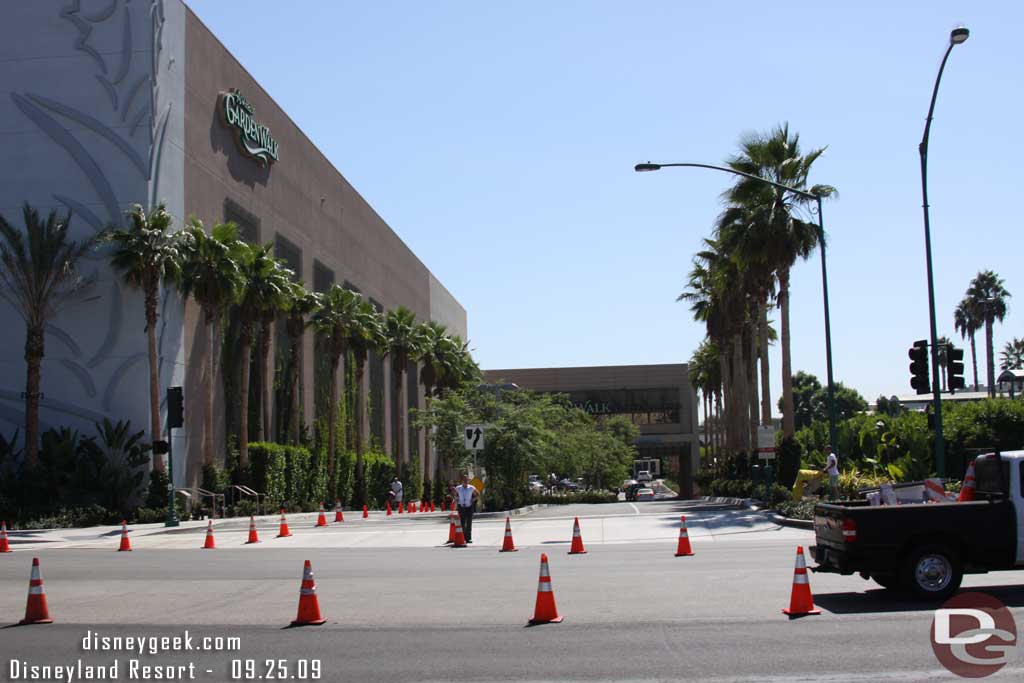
(754, 504)
(511, 513)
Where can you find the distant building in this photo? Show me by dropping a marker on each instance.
(658, 399)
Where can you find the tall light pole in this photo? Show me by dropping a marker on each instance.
(824, 274)
(956, 36)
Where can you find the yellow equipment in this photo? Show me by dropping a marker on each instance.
(806, 479)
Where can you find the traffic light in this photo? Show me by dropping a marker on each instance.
(954, 368)
(175, 408)
(919, 367)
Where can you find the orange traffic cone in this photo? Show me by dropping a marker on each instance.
(453, 506)
(209, 544)
(321, 520)
(400, 507)
(309, 606)
(684, 539)
(5, 546)
(253, 536)
(126, 545)
(451, 528)
(284, 526)
(366, 513)
(545, 611)
(431, 506)
(801, 601)
(36, 611)
(969, 485)
(577, 540)
(339, 516)
(508, 546)
(460, 538)
(388, 508)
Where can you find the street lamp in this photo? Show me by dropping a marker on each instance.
(956, 37)
(641, 168)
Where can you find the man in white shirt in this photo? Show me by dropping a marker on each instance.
(832, 470)
(466, 495)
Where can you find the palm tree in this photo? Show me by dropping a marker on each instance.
(438, 354)
(1012, 356)
(366, 334)
(39, 275)
(210, 275)
(988, 297)
(403, 345)
(148, 254)
(782, 235)
(265, 286)
(302, 304)
(335, 319)
(967, 322)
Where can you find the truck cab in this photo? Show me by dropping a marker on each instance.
(927, 548)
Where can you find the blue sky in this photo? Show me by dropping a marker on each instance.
(498, 140)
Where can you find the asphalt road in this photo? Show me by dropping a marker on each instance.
(632, 610)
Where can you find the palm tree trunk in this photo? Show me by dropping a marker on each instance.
(212, 321)
(359, 493)
(243, 399)
(293, 360)
(399, 440)
(34, 348)
(332, 427)
(991, 359)
(788, 417)
(718, 424)
(974, 359)
(265, 374)
(752, 413)
(154, 374)
(766, 386)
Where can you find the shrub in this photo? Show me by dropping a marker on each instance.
(215, 478)
(796, 510)
(156, 494)
(90, 515)
(150, 515)
(380, 469)
(583, 497)
(268, 467)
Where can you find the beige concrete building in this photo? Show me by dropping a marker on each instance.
(659, 399)
(138, 102)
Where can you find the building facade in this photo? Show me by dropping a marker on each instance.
(658, 399)
(108, 104)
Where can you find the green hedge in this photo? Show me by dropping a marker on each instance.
(575, 497)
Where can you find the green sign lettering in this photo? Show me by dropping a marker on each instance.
(253, 138)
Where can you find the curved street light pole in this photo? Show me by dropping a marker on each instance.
(824, 274)
(956, 36)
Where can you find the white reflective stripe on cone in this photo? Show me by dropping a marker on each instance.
(544, 587)
(307, 591)
(36, 590)
(800, 579)
(544, 571)
(801, 563)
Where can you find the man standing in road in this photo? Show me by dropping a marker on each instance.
(466, 495)
(832, 470)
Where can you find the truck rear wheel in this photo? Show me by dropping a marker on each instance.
(932, 572)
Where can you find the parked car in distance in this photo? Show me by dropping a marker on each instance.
(535, 486)
(644, 494)
(631, 491)
(644, 475)
(627, 483)
(568, 485)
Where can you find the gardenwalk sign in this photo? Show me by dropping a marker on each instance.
(254, 139)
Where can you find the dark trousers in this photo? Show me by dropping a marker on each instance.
(466, 519)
